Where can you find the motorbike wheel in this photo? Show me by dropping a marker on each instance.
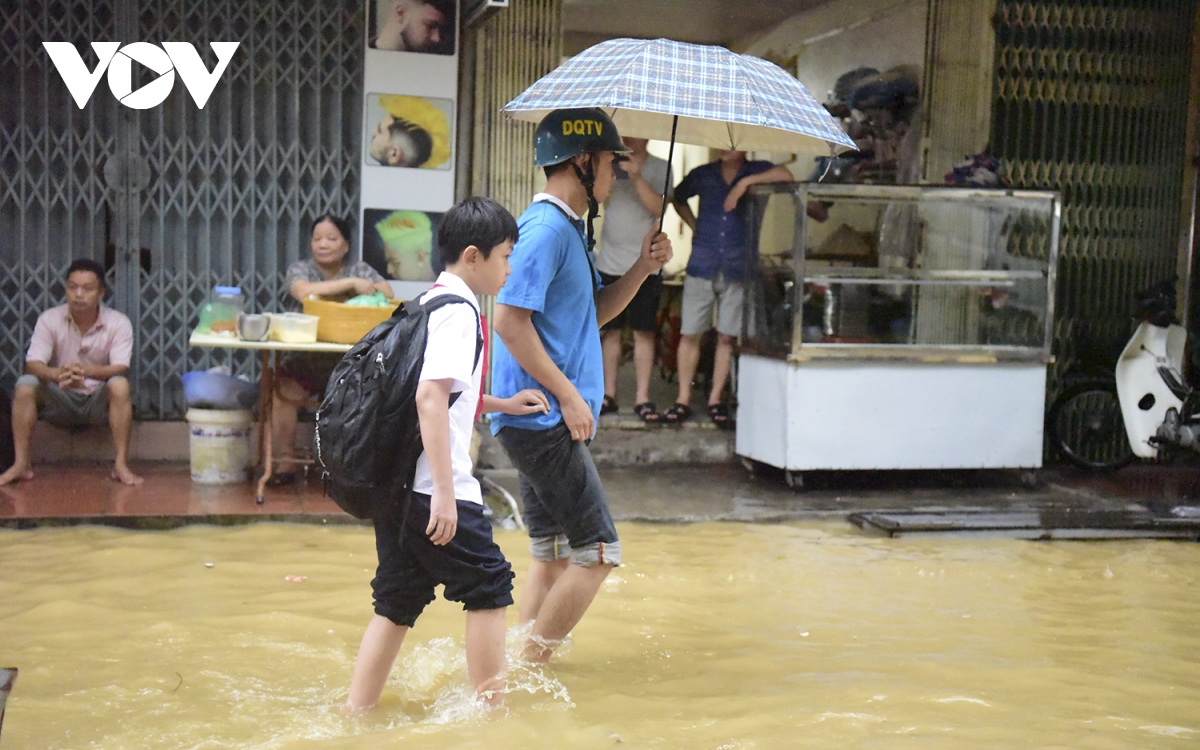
(1085, 426)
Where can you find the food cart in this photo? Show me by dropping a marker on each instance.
(896, 327)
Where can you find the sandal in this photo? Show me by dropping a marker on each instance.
(677, 413)
(608, 406)
(282, 479)
(648, 412)
(719, 413)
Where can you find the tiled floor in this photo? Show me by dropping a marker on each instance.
(84, 492)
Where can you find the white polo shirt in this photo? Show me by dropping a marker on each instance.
(450, 353)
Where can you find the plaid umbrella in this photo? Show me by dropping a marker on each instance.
(706, 96)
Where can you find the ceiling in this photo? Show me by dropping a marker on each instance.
(729, 23)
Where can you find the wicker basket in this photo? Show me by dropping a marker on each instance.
(345, 324)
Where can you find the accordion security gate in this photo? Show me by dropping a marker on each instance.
(1090, 98)
(172, 199)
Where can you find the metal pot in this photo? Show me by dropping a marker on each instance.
(253, 327)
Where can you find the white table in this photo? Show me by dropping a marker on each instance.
(267, 385)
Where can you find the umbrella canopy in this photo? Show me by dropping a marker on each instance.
(721, 99)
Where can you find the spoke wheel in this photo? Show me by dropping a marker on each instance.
(1086, 426)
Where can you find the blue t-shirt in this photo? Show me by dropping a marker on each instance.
(552, 276)
(719, 244)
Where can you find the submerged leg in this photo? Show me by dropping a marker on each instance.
(485, 654)
(376, 655)
(563, 608)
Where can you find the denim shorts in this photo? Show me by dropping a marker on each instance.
(471, 566)
(566, 510)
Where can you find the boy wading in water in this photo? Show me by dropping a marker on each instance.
(548, 321)
(445, 538)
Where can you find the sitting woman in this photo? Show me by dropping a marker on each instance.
(302, 376)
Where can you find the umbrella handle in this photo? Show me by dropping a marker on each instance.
(662, 215)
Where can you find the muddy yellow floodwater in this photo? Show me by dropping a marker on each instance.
(711, 636)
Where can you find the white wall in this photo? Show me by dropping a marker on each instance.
(842, 35)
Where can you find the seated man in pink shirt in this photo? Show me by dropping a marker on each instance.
(75, 372)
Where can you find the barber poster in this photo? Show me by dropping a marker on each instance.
(409, 113)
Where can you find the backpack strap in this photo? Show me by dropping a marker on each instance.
(441, 301)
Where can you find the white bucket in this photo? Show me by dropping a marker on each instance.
(220, 445)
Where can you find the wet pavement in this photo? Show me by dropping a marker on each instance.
(654, 493)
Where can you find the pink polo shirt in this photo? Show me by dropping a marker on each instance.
(58, 342)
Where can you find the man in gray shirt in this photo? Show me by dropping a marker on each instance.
(630, 212)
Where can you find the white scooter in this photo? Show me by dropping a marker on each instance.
(1099, 421)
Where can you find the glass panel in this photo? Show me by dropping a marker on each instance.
(900, 267)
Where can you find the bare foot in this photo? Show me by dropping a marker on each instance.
(123, 475)
(16, 474)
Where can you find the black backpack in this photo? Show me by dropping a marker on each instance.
(368, 437)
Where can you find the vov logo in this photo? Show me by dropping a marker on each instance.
(166, 60)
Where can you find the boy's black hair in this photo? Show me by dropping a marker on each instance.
(87, 264)
(337, 221)
(422, 142)
(477, 221)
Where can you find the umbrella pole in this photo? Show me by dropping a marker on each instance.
(667, 187)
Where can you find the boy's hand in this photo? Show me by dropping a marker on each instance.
(528, 401)
(443, 517)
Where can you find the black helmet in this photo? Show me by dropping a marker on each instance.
(568, 132)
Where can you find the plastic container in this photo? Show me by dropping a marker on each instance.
(340, 323)
(220, 314)
(215, 390)
(293, 328)
(219, 441)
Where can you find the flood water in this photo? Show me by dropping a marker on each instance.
(712, 636)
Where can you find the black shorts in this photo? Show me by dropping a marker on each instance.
(471, 566)
(642, 312)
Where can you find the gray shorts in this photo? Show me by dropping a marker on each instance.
(70, 408)
(566, 510)
(699, 296)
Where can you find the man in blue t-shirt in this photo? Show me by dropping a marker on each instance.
(715, 271)
(548, 319)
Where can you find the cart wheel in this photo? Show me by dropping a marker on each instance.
(794, 479)
(748, 465)
(1030, 478)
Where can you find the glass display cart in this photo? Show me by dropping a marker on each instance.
(896, 327)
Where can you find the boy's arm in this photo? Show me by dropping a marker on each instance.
(433, 411)
(514, 326)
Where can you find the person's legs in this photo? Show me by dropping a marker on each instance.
(538, 581)
(563, 608)
(696, 318)
(486, 666)
(643, 362)
(285, 413)
(120, 421)
(687, 360)
(24, 417)
(381, 643)
(721, 359)
(563, 494)
(610, 341)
